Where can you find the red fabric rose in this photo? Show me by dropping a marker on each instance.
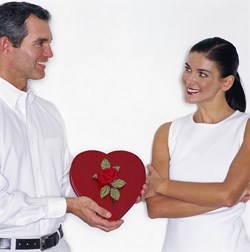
(107, 176)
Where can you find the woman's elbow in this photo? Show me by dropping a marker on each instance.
(152, 213)
(152, 210)
(229, 199)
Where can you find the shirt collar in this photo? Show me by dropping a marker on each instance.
(11, 95)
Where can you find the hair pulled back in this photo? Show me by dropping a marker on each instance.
(225, 56)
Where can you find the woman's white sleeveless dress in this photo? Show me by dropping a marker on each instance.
(203, 153)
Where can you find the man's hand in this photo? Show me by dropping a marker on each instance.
(91, 213)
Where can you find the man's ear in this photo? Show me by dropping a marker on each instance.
(5, 45)
(227, 83)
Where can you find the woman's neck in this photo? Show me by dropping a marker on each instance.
(211, 115)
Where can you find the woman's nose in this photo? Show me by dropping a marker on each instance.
(190, 79)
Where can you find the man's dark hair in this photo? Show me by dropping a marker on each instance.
(13, 16)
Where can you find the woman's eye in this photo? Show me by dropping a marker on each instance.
(187, 69)
(202, 74)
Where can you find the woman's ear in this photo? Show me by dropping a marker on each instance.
(227, 83)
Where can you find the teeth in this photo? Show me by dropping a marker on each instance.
(193, 91)
(40, 63)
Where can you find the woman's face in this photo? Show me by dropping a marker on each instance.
(201, 79)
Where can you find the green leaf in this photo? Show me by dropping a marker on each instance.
(105, 164)
(115, 194)
(104, 191)
(117, 168)
(118, 183)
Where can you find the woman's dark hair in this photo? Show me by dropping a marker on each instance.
(13, 16)
(225, 56)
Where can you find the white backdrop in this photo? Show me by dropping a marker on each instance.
(115, 77)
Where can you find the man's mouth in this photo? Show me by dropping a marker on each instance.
(41, 63)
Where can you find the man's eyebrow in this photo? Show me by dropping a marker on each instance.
(42, 40)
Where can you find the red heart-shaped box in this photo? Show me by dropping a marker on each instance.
(88, 163)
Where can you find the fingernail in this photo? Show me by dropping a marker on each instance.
(108, 215)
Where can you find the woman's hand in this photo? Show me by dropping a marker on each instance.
(153, 179)
(142, 196)
(246, 195)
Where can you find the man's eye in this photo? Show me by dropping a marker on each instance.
(39, 43)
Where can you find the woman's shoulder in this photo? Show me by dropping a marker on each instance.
(247, 132)
(164, 129)
(165, 126)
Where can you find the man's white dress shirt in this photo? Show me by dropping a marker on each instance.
(34, 165)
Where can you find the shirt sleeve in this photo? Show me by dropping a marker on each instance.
(19, 206)
(18, 209)
(67, 189)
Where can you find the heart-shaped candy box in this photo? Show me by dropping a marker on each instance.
(113, 180)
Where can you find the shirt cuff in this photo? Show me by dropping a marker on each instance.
(56, 207)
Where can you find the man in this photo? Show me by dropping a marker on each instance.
(34, 157)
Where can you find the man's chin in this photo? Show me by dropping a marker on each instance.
(38, 76)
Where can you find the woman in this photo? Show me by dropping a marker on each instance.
(201, 161)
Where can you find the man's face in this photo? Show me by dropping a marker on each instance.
(28, 60)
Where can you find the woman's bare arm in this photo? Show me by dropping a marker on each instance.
(227, 193)
(160, 206)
